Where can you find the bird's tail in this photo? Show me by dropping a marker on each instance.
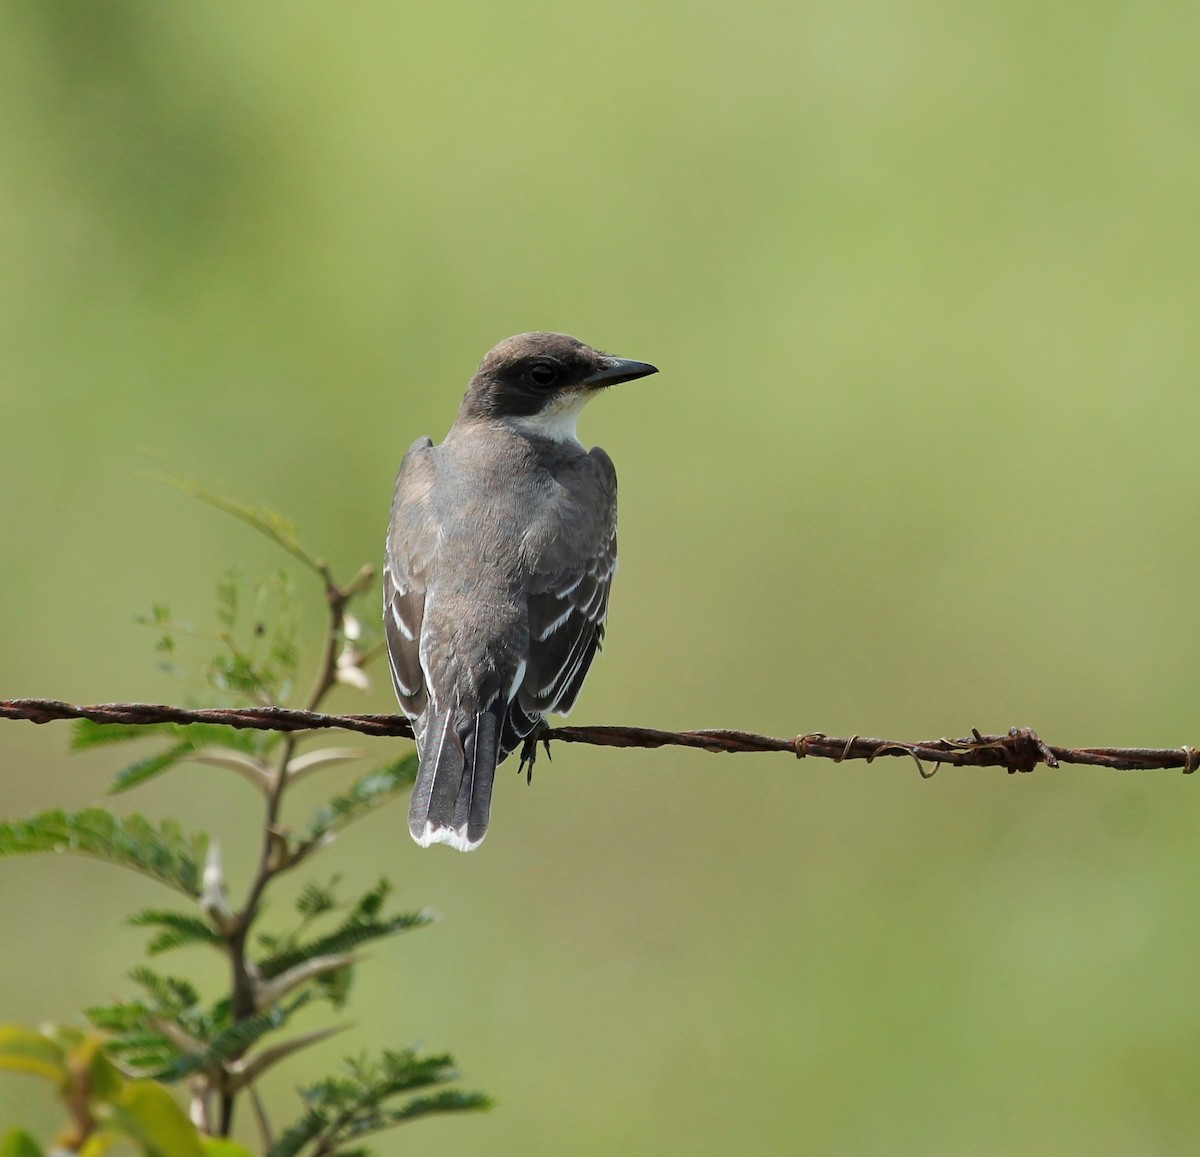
(452, 797)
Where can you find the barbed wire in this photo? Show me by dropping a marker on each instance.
(1020, 750)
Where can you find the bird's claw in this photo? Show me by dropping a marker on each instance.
(529, 752)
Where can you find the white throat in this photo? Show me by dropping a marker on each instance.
(558, 421)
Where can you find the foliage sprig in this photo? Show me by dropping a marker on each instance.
(166, 1032)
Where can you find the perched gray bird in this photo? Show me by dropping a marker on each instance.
(500, 554)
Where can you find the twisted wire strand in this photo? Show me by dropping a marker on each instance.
(1019, 750)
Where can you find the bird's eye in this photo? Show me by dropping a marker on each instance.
(543, 374)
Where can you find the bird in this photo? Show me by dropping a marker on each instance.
(500, 554)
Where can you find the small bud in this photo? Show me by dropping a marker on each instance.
(353, 676)
(349, 662)
(214, 899)
(199, 1107)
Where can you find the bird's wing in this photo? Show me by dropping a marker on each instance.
(568, 596)
(411, 543)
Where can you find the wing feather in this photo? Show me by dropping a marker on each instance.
(568, 603)
(410, 548)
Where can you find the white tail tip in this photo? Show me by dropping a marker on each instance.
(455, 837)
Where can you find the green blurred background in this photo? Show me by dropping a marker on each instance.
(923, 281)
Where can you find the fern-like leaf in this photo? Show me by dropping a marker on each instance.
(236, 1040)
(170, 993)
(370, 792)
(163, 853)
(133, 1040)
(360, 926)
(166, 1036)
(274, 526)
(146, 1053)
(316, 899)
(447, 1101)
(178, 930)
(189, 739)
(293, 1140)
(227, 598)
(86, 733)
(144, 769)
(345, 1108)
(116, 1018)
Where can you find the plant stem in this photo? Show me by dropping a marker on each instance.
(260, 1116)
(270, 862)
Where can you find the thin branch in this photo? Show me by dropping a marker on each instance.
(260, 1117)
(266, 522)
(1019, 750)
(245, 997)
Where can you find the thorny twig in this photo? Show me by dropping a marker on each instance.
(1021, 749)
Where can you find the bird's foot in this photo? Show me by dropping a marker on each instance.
(529, 752)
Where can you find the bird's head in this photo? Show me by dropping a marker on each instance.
(539, 382)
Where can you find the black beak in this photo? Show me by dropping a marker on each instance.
(615, 370)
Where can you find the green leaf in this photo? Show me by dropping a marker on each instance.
(216, 1147)
(145, 1054)
(190, 739)
(178, 930)
(298, 1135)
(238, 674)
(103, 1080)
(335, 986)
(247, 1032)
(315, 900)
(170, 992)
(243, 739)
(359, 927)
(145, 769)
(143, 1038)
(25, 1051)
(87, 733)
(274, 526)
(101, 1143)
(400, 1071)
(150, 1116)
(116, 1018)
(372, 791)
(18, 1143)
(163, 853)
(227, 598)
(66, 1036)
(286, 653)
(221, 1013)
(345, 1108)
(447, 1101)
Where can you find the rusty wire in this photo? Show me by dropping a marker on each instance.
(1020, 750)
